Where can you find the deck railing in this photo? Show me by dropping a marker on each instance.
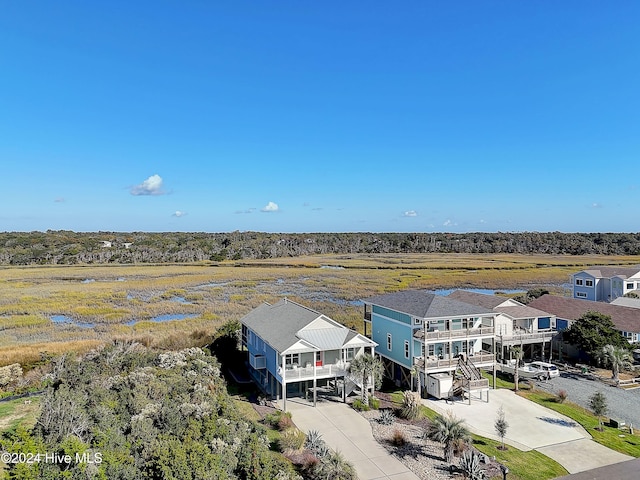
(307, 373)
(455, 334)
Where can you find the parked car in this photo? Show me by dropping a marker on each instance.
(548, 368)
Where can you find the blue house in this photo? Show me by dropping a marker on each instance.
(294, 350)
(435, 336)
(605, 283)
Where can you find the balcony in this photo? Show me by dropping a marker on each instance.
(524, 336)
(481, 359)
(294, 373)
(454, 334)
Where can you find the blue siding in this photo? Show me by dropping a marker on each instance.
(544, 322)
(401, 317)
(381, 327)
(259, 347)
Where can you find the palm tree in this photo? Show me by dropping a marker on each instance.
(448, 430)
(415, 372)
(517, 352)
(367, 367)
(617, 358)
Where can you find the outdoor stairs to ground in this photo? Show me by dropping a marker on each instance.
(468, 369)
(349, 382)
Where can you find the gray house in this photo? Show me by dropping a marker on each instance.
(294, 350)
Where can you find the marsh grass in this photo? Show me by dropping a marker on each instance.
(110, 296)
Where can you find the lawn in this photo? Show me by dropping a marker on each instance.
(529, 465)
(613, 438)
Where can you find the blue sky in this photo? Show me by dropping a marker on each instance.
(329, 116)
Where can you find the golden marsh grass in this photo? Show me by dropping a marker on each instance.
(111, 296)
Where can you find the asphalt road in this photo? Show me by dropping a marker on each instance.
(622, 404)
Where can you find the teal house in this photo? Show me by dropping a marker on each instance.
(438, 338)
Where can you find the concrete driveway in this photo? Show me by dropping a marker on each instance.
(532, 427)
(346, 431)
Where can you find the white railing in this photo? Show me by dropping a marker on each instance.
(467, 332)
(307, 373)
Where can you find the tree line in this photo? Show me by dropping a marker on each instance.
(62, 247)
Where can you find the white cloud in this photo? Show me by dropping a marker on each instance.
(151, 186)
(248, 210)
(270, 207)
(449, 223)
(596, 205)
(410, 213)
(179, 213)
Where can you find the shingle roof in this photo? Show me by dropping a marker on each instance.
(282, 325)
(474, 298)
(522, 311)
(626, 319)
(278, 324)
(425, 304)
(608, 271)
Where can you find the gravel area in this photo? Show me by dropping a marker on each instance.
(422, 456)
(623, 404)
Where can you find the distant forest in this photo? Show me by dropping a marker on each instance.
(68, 248)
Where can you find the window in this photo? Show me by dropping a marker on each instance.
(389, 341)
(588, 283)
(406, 349)
(630, 286)
(350, 354)
(292, 359)
(578, 281)
(417, 321)
(432, 350)
(581, 295)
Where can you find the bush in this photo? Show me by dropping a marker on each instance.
(387, 417)
(374, 403)
(561, 396)
(359, 406)
(398, 438)
(292, 439)
(410, 406)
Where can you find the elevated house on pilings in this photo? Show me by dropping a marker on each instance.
(443, 340)
(517, 325)
(296, 351)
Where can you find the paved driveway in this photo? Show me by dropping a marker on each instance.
(533, 427)
(348, 432)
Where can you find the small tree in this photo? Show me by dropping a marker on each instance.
(501, 426)
(415, 372)
(616, 358)
(367, 367)
(598, 403)
(517, 352)
(450, 431)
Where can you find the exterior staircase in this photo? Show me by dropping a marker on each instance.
(466, 378)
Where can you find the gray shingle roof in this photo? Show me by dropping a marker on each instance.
(280, 326)
(425, 304)
(481, 299)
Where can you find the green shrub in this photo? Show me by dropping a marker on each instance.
(374, 403)
(359, 406)
(410, 405)
(292, 440)
(387, 417)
